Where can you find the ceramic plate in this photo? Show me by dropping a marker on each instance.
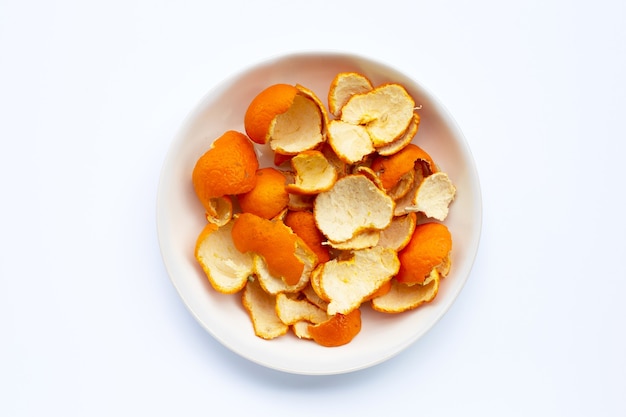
(180, 217)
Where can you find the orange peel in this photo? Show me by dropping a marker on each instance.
(428, 249)
(272, 284)
(303, 225)
(219, 210)
(344, 86)
(226, 268)
(227, 168)
(353, 204)
(261, 308)
(351, 142)
(338, 330)
(406, 138)
(402, 297)
(347, 283)
(399, 232)
(269, 195)
(386, 112)
(301, 330)
(313, 173)
(310, 294)
(392, 168)
(361, 240)
(434, 196)
(265, 107)
(340, 166)
(300, 202)
(285, 253)
(314, 280)
(290, 118)
(369, 173)
(406, 190)
(292, 310)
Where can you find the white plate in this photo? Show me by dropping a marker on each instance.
(180, 217)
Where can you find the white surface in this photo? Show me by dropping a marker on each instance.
(91, 96)
(180, 216)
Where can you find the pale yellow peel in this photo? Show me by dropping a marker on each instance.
(385, 111)
(344, 86)
(313, 173)
(220, 210)
(226, 268)
(292, 310)
(350, 142)
(369, 173)
(402, 297)
(347, 283)
(403, 140)
(314, 298)
(298, 129)
(361, 240)
(397, 235)
(261, 308)
(301, 330)
(353, 204)
(434, 195)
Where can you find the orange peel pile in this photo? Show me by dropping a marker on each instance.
(351, 215)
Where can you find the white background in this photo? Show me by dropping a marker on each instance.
(91, 96)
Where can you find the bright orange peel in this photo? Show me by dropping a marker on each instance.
(338, 330)
(227, 168)
(284, 252)
(268, 197)
(428, 248)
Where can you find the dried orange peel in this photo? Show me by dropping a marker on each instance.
(343, 87)
(385, 112)
(302, 222)
(285, 253)
(347, 283)
(313, 173)
(226, 267)
(290, 118)
(338, 330)
(391, 168)
(219, 210)
(402, 297)
(351, 142)
(428, 249)
(291, 310)
(261, 307)
(349, 215)
(227, 168)
(268, 197)
(352, 205)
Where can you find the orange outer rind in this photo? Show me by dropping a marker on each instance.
(284, 252)
(428, 248)
(269, 103)
(227, 168)
(339, 330)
